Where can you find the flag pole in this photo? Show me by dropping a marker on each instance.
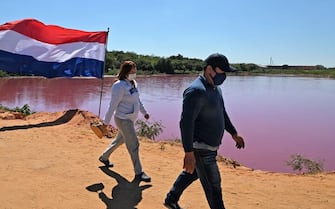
(103, 71)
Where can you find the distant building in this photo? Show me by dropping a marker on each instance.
(299, 67)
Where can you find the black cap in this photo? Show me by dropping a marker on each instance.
(219, 60)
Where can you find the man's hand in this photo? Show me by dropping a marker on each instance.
(189, 162)
(239, 141)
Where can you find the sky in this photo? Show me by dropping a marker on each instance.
(278, 32)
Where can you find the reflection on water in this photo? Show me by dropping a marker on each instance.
(277, 116)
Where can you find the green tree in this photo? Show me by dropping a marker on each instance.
(164, 66)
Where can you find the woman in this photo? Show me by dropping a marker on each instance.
(126, 104)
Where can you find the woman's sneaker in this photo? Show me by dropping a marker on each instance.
(142, 177)
(106, 162)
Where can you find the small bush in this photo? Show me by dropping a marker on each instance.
(302, 164)
(149, 130)
(3, 74)
(25, 109)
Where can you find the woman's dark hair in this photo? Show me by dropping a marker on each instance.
(125, 68)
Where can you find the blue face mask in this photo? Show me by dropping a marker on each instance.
(219, 78)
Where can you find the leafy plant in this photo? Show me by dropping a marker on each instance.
(25, 109)
(149, 130)
(300, 163)
(3, 74)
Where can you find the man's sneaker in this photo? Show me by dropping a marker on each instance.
(143, 177)
(171, 205)
(106, 162)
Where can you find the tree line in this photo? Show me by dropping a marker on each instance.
(178, 64)
(175, 64)
(153, 64)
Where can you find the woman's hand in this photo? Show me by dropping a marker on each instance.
(147, 116)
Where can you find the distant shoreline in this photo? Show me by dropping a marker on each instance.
(285, 75)
(195, 74)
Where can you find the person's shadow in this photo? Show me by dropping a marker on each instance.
(125, 195)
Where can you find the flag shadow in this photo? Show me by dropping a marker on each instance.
(61, 120)
(125, 194)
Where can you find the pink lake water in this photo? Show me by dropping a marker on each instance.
(277, 116)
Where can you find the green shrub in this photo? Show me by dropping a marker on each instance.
(302, 164)
(147, 129)
(3, 74)
(25, 109)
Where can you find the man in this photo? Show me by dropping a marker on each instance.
(202, 124)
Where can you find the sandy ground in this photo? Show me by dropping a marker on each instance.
(49, 160)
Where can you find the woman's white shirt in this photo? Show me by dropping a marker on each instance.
(125, 102)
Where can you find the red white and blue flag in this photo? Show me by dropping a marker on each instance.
(29, 47)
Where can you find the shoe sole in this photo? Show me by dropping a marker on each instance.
(140, 179)
(107, 165)
(146, 180)
(168, 206)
